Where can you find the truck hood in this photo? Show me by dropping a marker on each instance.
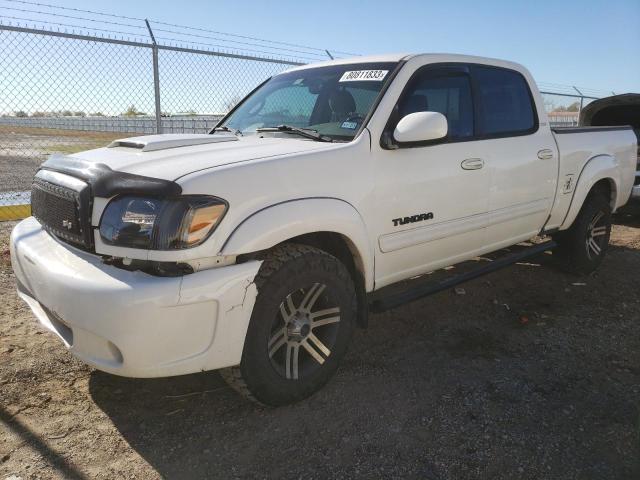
(172, 156)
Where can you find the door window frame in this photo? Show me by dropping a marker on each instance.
(387, 142)
(478, 106)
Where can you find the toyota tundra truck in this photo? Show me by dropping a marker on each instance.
(257, 248)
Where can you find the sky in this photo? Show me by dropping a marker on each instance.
(592, 44)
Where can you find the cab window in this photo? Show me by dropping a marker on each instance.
(506, 105)
(449, 94)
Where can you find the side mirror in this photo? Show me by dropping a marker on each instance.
(421, 127)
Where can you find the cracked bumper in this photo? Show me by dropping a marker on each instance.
(131, 323)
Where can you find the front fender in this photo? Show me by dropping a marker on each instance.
(275, 224)
(600, 167)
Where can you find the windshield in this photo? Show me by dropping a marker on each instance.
(332, 101)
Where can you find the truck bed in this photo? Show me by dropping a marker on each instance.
(576, 147)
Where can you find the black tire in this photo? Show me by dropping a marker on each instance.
(305, 276)
(583, 246)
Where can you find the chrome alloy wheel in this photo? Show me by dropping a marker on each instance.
(304, 332)
(596, 235)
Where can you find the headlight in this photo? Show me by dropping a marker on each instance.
(156, 224)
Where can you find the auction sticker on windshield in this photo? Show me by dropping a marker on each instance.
(364, 75)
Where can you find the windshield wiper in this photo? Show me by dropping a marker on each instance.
(224, 128)
(303, 132)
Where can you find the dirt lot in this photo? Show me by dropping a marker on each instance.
(531, 373)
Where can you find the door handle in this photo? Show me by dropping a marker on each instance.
(545, 154)
(472, 164)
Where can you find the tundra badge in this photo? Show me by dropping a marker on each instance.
(412, 219)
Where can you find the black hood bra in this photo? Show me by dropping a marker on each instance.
(105, 182)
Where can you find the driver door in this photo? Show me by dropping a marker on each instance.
(430, 199)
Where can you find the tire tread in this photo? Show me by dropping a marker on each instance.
(571, 242)
(273, 260)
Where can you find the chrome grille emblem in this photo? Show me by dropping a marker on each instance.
(68, 224)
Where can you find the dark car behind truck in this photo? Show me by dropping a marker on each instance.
(616, 110)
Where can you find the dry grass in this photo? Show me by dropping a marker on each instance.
(71, 134)
(66, 141)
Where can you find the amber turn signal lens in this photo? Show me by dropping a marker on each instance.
(202, 221)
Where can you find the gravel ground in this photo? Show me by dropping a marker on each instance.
(530, 374)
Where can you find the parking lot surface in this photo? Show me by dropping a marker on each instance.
(525, 373)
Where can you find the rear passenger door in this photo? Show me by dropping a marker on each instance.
(522, 157)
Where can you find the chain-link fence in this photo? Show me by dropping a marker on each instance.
(64, 92)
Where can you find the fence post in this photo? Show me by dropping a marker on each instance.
(156, 78)
(581, 101)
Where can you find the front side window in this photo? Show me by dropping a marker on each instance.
(332, 101)
(506, 104)
(446, 94)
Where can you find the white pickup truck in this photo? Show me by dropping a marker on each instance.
(257, 248)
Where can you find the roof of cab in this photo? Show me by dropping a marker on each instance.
(389, 57)
(396, 57)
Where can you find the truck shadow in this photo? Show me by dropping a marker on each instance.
(430, 389)
(629, 215)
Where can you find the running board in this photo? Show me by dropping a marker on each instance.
(382, 304)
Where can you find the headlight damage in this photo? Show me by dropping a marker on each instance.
(161, 224)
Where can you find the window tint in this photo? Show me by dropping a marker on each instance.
(505, 101)
(364, 97)
(333, 100)
(449, 95)
(290, 105)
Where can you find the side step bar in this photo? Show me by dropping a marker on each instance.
(395, 300)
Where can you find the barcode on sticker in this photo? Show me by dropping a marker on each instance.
(364, 75)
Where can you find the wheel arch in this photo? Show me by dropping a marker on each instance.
(330, 224)
(600, 174)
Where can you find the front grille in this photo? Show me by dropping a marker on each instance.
(62, 212)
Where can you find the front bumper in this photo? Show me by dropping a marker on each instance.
(131, 323)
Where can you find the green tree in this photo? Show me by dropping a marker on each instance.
(232, 102)
(574, 107)
(21, 114)
(132, 111)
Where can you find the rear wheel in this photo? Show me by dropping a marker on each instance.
(300, 327)
(582, 247)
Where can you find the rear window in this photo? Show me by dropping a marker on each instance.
(506, 103)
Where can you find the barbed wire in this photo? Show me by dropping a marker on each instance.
(250, 38)
(563, 89)
(68, 25)
(236, 41)
(227, 43)
(224, 47)
(74, 9)
(72, 17)
(221, 48)
(158, 22)
(312, 54)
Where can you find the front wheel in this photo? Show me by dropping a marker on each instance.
(300, 326)
(582, 247)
